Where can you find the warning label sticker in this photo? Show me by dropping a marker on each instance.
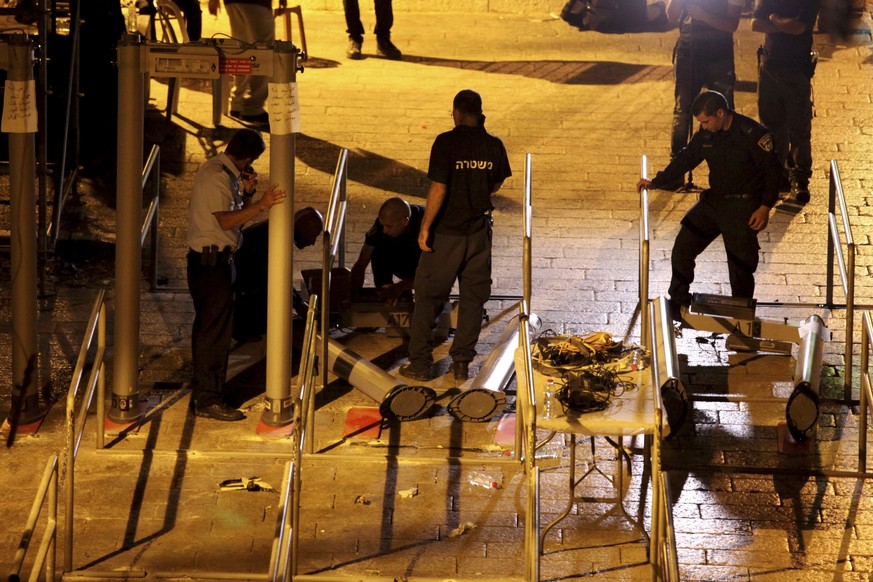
(235, 66)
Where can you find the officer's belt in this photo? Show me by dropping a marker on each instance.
(210, 256)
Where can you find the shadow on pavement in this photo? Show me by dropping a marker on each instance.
(562, 72)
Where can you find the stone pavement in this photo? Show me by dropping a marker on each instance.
(586, 106)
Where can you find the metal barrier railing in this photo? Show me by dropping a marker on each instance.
(644, 255)
(866, 390)
(281, 546)
(332, 238)
(48, 490)
(75, 424)
(846, 267)
(527, 290)
(665, 375)
(526, 415)
(667, 560)
(152, 169)
(303, 439)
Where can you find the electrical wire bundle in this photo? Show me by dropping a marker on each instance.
(589, 368)
(589, 389)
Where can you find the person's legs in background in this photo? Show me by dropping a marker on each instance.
(384, 22)
(354, 28)
(250, 24)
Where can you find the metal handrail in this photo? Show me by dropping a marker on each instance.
(644, 254)
(667, 567)
(279, 552)
(846, 267)
(665, 371)
(151, 168)
(866, 389)
(75, 424)
(331, 237)
(526, 262)
(526, 414)
(526, 272)
(303, 439)
(48, 488)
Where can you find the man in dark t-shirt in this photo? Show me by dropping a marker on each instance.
(467, 165)
(391, 246)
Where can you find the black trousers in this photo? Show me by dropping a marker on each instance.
(785, 107)
(466, 258)
(715, 215)
(211, 288)
(384, 20)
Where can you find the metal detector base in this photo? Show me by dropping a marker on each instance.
(477, 405)
(739, 343)
(723, 306)
(801, 412)
(407, 402)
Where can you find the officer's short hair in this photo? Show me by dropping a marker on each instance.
(396, 208)
(709, 102)
(308, 224)
(468, 102)
(246, 143)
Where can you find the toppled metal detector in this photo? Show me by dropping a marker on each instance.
(485, 398)
(407, 402)
(801, 412)
(802, 409)
(477, 405)
(397, 401)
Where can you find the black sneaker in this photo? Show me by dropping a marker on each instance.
(218, 411)
(461, 371)
(675, 311)
(800, 193)
(386, 48)
(415, 372)
(354, 50)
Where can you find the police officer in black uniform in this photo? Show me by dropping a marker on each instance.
(785, 72)
(744, 177)
(467, 165)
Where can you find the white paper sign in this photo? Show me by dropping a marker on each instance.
(19, 107)
(284, 108)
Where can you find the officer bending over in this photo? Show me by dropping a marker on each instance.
(391, 245)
